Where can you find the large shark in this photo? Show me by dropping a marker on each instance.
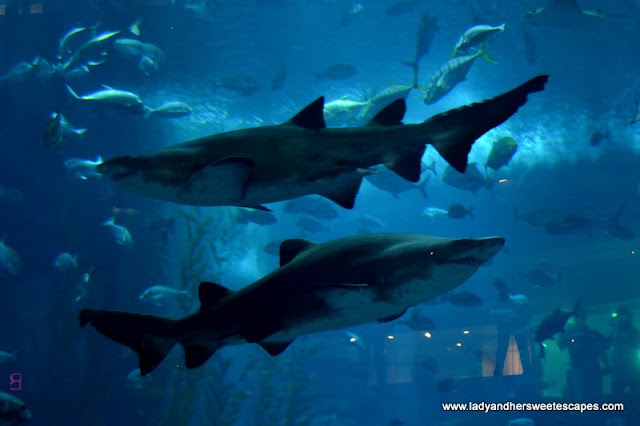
(266, 164)
(327, 286)
(561, 13)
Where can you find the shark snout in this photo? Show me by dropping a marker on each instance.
(475, 251)
(118, 167)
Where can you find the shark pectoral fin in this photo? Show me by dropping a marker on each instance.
(345, 194)
(452, 133)
(289, 249)
(149, 336)
(258, 207)
(275, 349)
(210, 294)
(195, 356)
(231, 175)
(392, 317)
(409, 166)
(391, 115)
(311, 116)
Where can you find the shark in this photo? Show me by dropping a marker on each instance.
(260, 165)
(318, 287)
(562, 13)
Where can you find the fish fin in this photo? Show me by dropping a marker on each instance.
(72, 92)
(107, 87)
(345, 195)
(409, 166)
(147, 335)
(258, 207)
(80, 132)
(311, 116)
(452, 133)
(210, 294)
(195, 355)
(274, 349)
(422, 187)
(392, 317)
(289, 249)
(391, 115)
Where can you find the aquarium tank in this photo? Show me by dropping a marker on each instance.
(319, 212)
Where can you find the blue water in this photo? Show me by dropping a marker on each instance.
(71, 376)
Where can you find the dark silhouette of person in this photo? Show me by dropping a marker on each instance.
(625, 358)
(587, 360)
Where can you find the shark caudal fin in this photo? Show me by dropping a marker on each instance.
(452, 133)
(150, 337)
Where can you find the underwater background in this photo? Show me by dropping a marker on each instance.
(567, 203)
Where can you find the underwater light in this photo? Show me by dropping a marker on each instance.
(390, 337)
(633, 252)
(465, 332)
(427, 335)
(614, 315)
(573, 340)
(458, 344)
(352, 340)
(503, 180)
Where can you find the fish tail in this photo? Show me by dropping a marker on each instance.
(148, 112)
(80, 132)
(422, 187)
(71, 92)
(502, 27)
(452, 133)
(414, 67)
(150, 337)
(482, 52)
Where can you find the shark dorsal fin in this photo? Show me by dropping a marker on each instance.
(289, 249)
(311, 116)
(210, 294)
(392, 114)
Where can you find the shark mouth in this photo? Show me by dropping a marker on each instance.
(467, 261)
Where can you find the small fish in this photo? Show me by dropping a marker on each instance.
(135, 27)
(13, 411)
(458, 211)
(10, 261)
(315, 206)
(57, 128)
(450, 75)
(64, 48)
(242, 84)
(83, 169)
(310, 225)
(473, 38)
(121, 100)
(83, 286)
(120, 233)
(337, 72)
(160, 294)
(92, 52)
(502, 151)
(169, 110)
(344, 111)
(65, 261)
(544, 274)
(259, 217)
(433, 212)
(427, 29)
(6, 357)
(463, 299)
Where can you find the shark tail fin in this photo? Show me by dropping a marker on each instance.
(150, 337)
(452, 133)
(414, 67)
